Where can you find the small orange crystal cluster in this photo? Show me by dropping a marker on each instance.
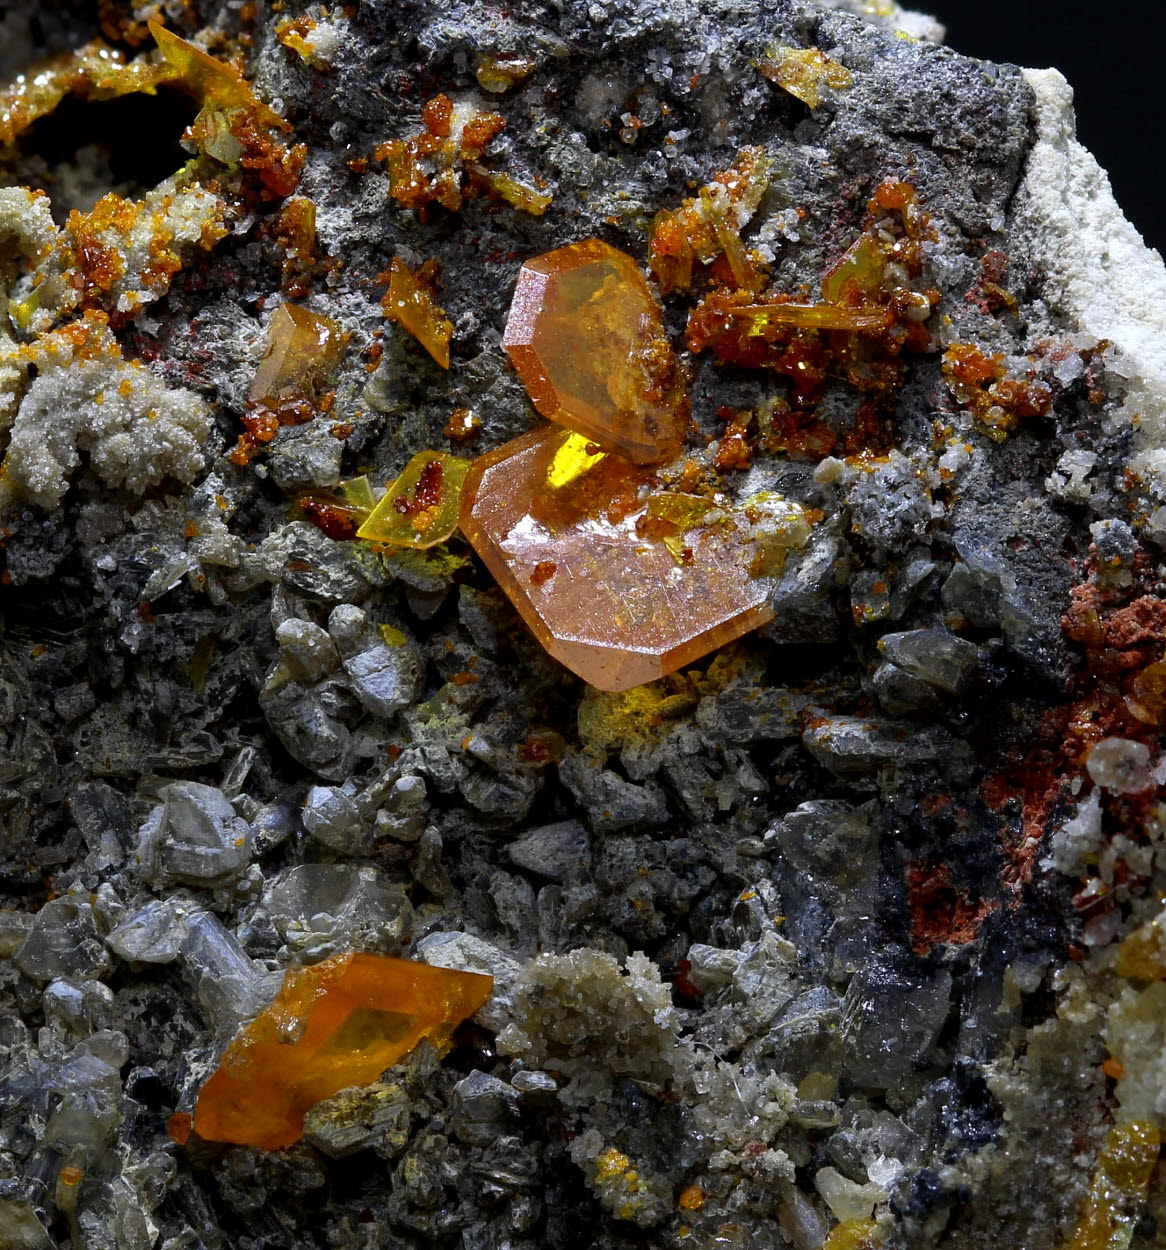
(303, 350)
(336, 1024)
(442, 164)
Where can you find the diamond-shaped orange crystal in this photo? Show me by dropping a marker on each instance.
(336, 1024)
(616, 587)
(586, 336)
(302, 348)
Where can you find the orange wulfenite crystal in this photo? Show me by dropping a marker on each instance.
(626, 602)
(586, 336)
(337, 1024)
(301, 347)
(409, 302)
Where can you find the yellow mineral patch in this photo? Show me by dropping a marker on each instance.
(803, 72)
(421, 507)
(1119, 1188)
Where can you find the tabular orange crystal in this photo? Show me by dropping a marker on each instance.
(337, 1024)
(301, 348)
(636, 592)
(214, 82)
(420, 509)
(586, 336)
(409, 302)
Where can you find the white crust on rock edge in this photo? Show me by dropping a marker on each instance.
(916, 25)
(1097, 270)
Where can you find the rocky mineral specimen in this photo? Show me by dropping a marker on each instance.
(844, 928)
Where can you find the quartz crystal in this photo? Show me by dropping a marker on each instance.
(336, 1024)
(586, 336)
(596, 571)
(420, 509)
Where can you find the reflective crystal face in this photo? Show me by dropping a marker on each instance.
(420, 509)
(586, 337)
(619, 585)
(301, 347)
(336, 1024)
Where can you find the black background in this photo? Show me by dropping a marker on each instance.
(1112, 53)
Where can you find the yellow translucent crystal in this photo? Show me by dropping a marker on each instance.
(1142, 955)
(421, 507)
(854, 1235)
(213, 82)
(803, 72)
(409, 302)
(859, 272)
(620, 591)
(1119, 1187)
(337, 1024)
(586, 336)
(358, 492)
(302, 348)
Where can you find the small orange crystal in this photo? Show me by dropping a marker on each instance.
(301, 348)
(409, 302)
(586, 336)
(336, 1024)
(635, 592)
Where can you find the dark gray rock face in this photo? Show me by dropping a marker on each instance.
(818, 930)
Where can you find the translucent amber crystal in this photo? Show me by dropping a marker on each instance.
(568, 532)
(1119, 1187)
(854, 1235)
(857, 274)
(1142, 955)
(758, 317)
(421, 507)
(213, 82)
(302, 348)
(409, 302)
(803, 72)
(336, 1024)
(586, 336)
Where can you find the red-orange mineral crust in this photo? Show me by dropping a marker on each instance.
(586, 336)
(617, 596)
(336, 1024)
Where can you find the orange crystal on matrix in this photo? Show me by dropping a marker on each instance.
(619, 588)
(302, 348)
(586, 336)
(336, 1024)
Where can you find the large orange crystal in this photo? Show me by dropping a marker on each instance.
(617, 586)
(336, 1024)
(586, 336)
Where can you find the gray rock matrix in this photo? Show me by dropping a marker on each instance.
(795, 939)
